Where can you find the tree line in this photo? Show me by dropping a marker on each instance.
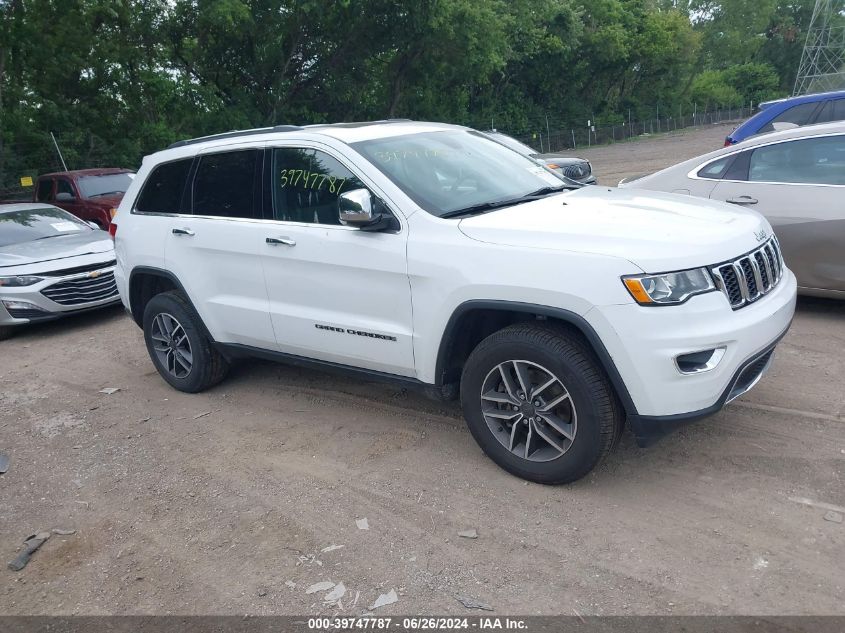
(118, 79)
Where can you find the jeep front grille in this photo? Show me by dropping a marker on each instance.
(746, 279)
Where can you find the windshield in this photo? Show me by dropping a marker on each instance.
(17, 227)
(93, 186)
(449, 170)
(509, 141)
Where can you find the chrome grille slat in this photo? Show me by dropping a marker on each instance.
(750, 276)
(83, 290)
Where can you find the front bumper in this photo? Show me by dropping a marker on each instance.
(645, 341)
(59, 296)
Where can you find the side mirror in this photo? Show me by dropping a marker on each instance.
(358, 208)
(64, 196)
(355, 208)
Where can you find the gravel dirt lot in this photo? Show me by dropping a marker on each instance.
(219, 502)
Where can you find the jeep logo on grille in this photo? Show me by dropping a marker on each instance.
(760, 235)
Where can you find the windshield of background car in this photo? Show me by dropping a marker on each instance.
(17, 227)
(454, 169)
(108, 184)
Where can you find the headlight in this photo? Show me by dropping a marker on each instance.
(18, 281)
(669, 288)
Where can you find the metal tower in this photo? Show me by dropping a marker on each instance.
(822, 66)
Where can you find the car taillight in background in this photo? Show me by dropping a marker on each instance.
(728, 142)
(112, 213)
(113, 229)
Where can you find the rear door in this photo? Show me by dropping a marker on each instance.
(215, 248)
(336, 293)
(799, 185)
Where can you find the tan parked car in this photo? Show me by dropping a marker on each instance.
(796, 178)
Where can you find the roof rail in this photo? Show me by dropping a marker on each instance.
(234, 134)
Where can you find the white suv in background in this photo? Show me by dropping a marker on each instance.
(430, 254)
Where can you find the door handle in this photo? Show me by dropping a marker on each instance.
(742, 200)
(281, 240)
(187, 232)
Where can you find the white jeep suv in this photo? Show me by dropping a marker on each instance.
(430, 254)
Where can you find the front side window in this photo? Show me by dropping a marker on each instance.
(224, 185)
(63, 187)
(449, 171)
(306, 185)
(45, 190)
(796, 115)
(162, 192)
(818, 160)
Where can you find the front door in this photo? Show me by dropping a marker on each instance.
(336, 293)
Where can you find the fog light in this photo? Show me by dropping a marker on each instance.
(698, 362)
(21, 305)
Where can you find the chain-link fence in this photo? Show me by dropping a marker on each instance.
(547, 139)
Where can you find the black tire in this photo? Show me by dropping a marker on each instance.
(208, 366)
(599, 414)
(6, 331)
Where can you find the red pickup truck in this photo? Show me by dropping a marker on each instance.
(89, 194)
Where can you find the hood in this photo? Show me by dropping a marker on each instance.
(655, 231)
(106, 201)
(560, 159)
(54, 248)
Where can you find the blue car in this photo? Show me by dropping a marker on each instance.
(791, 112)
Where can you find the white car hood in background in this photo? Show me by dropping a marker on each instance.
(657, 232)
(54, 248)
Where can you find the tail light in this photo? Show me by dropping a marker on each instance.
(113, 230)
(728, 142)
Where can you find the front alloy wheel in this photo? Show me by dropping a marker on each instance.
(529, 410)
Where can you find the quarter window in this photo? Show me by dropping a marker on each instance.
(162, 193)
(813, 161)
(225, 185)
(716, 169)
(832, 111)
(306, 185)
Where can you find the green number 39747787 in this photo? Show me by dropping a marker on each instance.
(305, 179)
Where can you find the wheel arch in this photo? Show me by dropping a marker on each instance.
(474, 320)
(145, 282)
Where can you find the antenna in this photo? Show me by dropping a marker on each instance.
(62, 158)
(822, 67)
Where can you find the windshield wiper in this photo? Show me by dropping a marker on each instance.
(105, 193)
(498, 204)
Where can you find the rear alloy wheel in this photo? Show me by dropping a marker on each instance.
(538, 404)
(178, 345)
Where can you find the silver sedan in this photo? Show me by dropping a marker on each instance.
(796, 178)
(51, 264)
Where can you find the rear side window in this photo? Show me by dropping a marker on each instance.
(797, 115)
(224, 185)
(162, 193)
(45, 189)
